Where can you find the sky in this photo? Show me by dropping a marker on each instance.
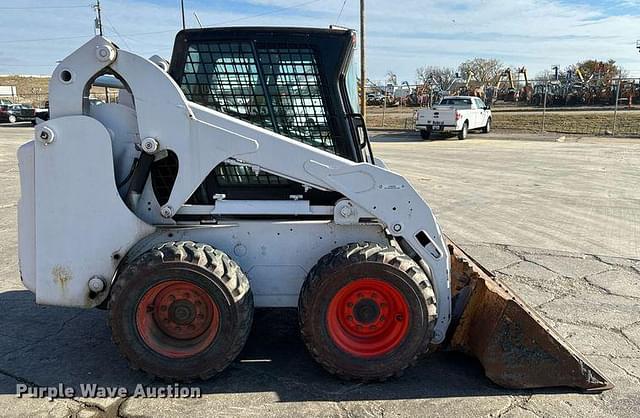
(402, 35)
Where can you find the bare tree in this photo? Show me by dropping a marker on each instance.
(545, 75)
(486, 71)
(440, 76)
(601, 69)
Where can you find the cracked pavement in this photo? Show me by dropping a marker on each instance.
(557, 222)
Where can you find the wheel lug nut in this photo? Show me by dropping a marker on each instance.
(382, 318)
(360, 295)
(349, 305)
(350, 318)
(399, 317)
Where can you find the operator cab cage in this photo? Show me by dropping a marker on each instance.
(296, 82)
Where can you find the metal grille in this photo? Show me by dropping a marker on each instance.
(232, 175)
(297, 94)
(224, 77)
(163, 177)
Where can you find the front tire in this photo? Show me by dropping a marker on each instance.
(13, 119)
(462, 135)
(367, 312)
(425, 134)
(181, 311)
(487, 127)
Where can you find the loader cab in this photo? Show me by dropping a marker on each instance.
(296, 82)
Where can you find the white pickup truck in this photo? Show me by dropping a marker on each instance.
(454, 114)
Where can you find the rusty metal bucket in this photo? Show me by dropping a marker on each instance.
(513, 343)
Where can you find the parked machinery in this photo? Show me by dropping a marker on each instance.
(506, 89)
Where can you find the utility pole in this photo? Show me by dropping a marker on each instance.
(184, 23)
(98, 17)
(363, 63)
(98, 29)
(615, 112)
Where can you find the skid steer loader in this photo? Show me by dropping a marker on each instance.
(240, 176)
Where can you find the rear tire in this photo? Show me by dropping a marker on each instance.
(425, 134)
(366, 312)
(462, 135)
(487, 127)
(181, 311)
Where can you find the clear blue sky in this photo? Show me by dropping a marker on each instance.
(403, 34)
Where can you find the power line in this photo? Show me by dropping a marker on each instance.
(344, 3)
(46, 7)
(130, 35)
(117, 33)
(281, 9)
(44, 39)
(81, 37)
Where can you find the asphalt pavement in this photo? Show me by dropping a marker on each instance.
(556, 218)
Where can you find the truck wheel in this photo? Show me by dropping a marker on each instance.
(464, 132)
(13, 119)
(487, 127)
(425, 134)
(366, 312)
(181, 311)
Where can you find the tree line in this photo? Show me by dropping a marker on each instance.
(487, 72)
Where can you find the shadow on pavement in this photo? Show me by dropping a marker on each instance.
(402, 137)
(46, 346)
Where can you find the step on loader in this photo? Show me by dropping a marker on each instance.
(240, 176)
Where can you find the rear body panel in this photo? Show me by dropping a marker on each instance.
(438, 120)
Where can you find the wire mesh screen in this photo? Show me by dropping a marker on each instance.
(296, 90)
(276, 87)
(224, 77)
(232, 175)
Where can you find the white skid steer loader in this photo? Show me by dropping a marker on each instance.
(240, 176)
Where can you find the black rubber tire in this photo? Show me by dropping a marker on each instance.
(425, 134)
(487, 127)
(462, 135)
(339, 268)
(210, 269)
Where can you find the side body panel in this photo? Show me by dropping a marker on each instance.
(82, 226)
(276, 256)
